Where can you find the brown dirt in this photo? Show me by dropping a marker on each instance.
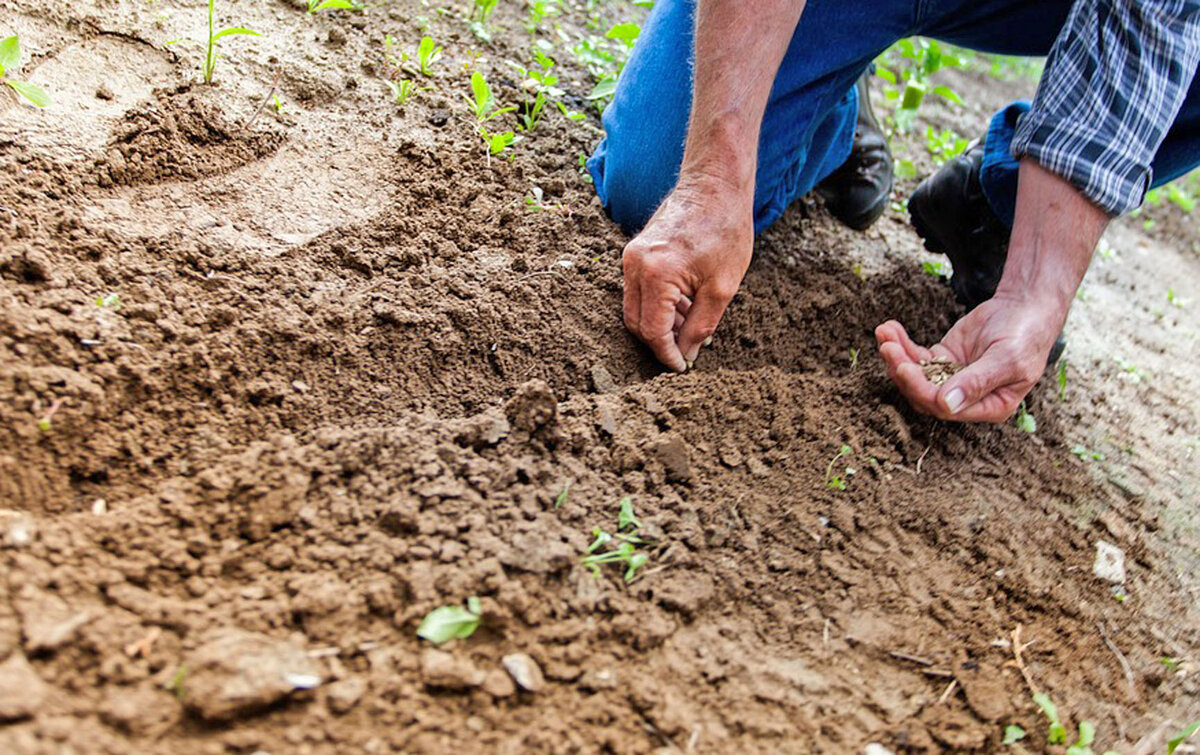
(350, 373)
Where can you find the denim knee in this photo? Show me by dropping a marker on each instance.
(630, 182)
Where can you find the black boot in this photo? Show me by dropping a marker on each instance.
(950, 212)
(857, 192)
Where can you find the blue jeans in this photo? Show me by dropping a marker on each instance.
(808, 126)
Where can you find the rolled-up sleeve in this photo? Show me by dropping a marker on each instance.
(1114, 82)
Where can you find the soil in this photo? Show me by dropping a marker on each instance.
(276, 384)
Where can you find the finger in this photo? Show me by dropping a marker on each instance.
(972, 394)
(657, 320)
(679, 319)
(892, 331)
(631, 303)
(683, 305)
(893, 355)
(921, 393)
(702, 319)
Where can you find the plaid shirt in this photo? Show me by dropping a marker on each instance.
(1114, 82)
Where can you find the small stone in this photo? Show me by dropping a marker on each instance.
(103, 92)
(51, 635)
(606, 419)
(1110, 562)
(99, 507)
(17, 529)
(442, 670)
(236, 673)
(343, 695)
(498, 683)
(533, 407)
(21, 689)
(598, 680)
(524, 671)
(300, 386)
(602, 379)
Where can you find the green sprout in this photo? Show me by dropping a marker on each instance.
(109, 301)
(427, 55)
(1182, 736)
(1057, 733)
(1012, 734)
(175, 684)
(542, 84)
(319, 5)
(625, 552)
(838, 482)
(916, 60)
(210, 53)
(10, 63)
(278, 104)
(1085, 454)
(1062, 380)
(539, 11)
(483, 105)
(451, 622)
(401, 90)
(561, 498)
(935, 268)
(479, 16)
(1024, 420)
(497, 143)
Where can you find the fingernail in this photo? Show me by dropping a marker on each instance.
(708, 341)
(954, 399)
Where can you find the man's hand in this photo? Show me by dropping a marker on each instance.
(684, 267)
(1003, 343)
(687, 263)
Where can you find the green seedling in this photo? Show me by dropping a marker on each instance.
(838, 482)
(945, 144)
(1086, 455)
(10, 63)
(853, 358)
(1062, 380)
(581, 161)
(915, 61)
(1012, 734)
(561, 498)
(497, 143)
(483, 105)
(401, 90)
(277, 104)
(537, 203)
(427, 54)
(626, 520)
(109, 301)
(451, 622)
(1057, 733)
(625, 552)
(1169, 663)
(479, 16)
(175, 684)
(210, 53)
(1175, 301)
(320, 5)
(1182, 736)
(625, 33)
(539, 11)
(1134, 375)
(1024, 420)
(935, 269)
(543, 85)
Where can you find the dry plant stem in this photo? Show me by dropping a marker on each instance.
(1128, 671)
(1018, 648)
(948, 691)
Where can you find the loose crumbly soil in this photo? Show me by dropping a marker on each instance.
(350, 372)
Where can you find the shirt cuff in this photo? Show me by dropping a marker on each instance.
(1079, 153)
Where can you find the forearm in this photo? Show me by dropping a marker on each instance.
(1054, 233)
(738, 48)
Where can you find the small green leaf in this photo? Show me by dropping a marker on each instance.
(474, 606)
(906, 169)
(31, 92)
(1025, 421)
(914, 92)
(1013, 733)
(1183, 735)
(334, 5)
(562, 497)
(627, 33)
(447, 623)
(948, 93)
(604, 88)
(235, 30)
(10, 54)
(1057, 733)
(626, 518)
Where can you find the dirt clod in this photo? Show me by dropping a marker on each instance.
(236, 673)
(21, 689)
(443, 670)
